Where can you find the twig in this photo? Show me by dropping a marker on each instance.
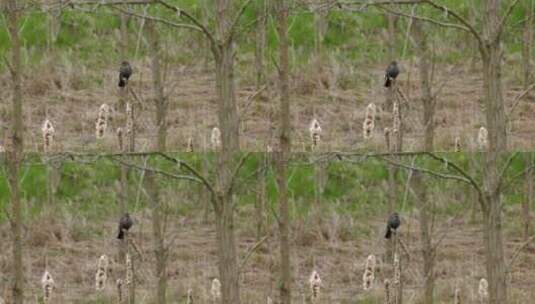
(250, 252)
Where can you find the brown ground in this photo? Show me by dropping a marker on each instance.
(338, 250)
(72, 97)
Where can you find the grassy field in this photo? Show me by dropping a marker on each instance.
(334, 236)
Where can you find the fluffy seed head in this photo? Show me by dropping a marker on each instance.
(48, 135)
(482, 139)
(483, 289)
(102, 272)
(315, 133)
(397, 270)
(120, 138)
(457, 144)
(189, 299)
(457, 296)
(369, 272)
(216, 289)
(315, 284)
(388, 299)
(47, 283)
(369, 121)
(119, 285)
(215, 139)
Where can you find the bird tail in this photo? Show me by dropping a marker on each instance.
(121, 234)
(122, 82)
(388, 233)
(388, 82)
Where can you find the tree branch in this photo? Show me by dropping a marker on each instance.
(250, 252)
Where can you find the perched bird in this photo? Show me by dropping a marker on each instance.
(391, 73)
(392, 224)
(124, 224)
(125, 71)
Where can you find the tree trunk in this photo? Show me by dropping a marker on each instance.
(260, 204)
(261, 25)
(526, 42)
(428, 254)
(15, 150)
(283, 154)
(227, 264)
(160, 144)
(426, 96)
(227, 109)
(493, 236)
(159, 98)
(528, 200)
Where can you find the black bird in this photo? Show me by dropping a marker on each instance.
(125, 71)
(391, 73)
(124, 224)
(392, 224)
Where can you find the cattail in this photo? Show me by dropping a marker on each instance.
(102, 272)
(216, 289)
(215, 139)
(102, 120)
(269, 300)
(457, 296)
(369, 121)
(397, 270)
(189, 299)
(315, 284)
(189, 148)
(482, 138)
(48, 285)
(387, 138)
(120, 138)
(483, 290)
(388, 299)
(48, 135)
(129, 268)
(119, 285)
(396, 123)
(129, 119)
(457, 144)
(315, 133)
(369, 272)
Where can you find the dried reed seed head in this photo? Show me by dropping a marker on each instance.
(189, 297)
(315, 284)
(100, 128)
(457, 296)
(269, 149)
(129, 274)
(100, 279)
(397, 270)
(387, 291)
(369, 273)
(48, 134)
(103, 262)
(216, 289)
(315, 131)
(457, 144)
(396, 118)
(215, 138)
(269, 300)
(129, 119)
(119, 283)
(483, 289)
(371, 261)
(189, 148)
(482, 138)
(47, 283)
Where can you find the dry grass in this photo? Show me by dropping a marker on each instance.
(193, 262)
(72, 98)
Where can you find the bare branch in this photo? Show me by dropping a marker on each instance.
(517, 252)
(508, 12)
(232, 28)
(518, 98)
(157, 171)
(166, 22)
(426, 19)
(250, 252)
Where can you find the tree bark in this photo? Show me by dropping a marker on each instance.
(261, 26)
(526, 42)
(158, 223)
(426, 96)
(282, 156)
(528, 200)
(428, 254)
(15, 149)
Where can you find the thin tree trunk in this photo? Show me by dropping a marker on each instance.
(282, 156)
(428, 255)
(426, 96)
(15, 150)
(227, 264)
(260, 204)
(260, 49)
(528, 200)
(158, 223)
(526, 42)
